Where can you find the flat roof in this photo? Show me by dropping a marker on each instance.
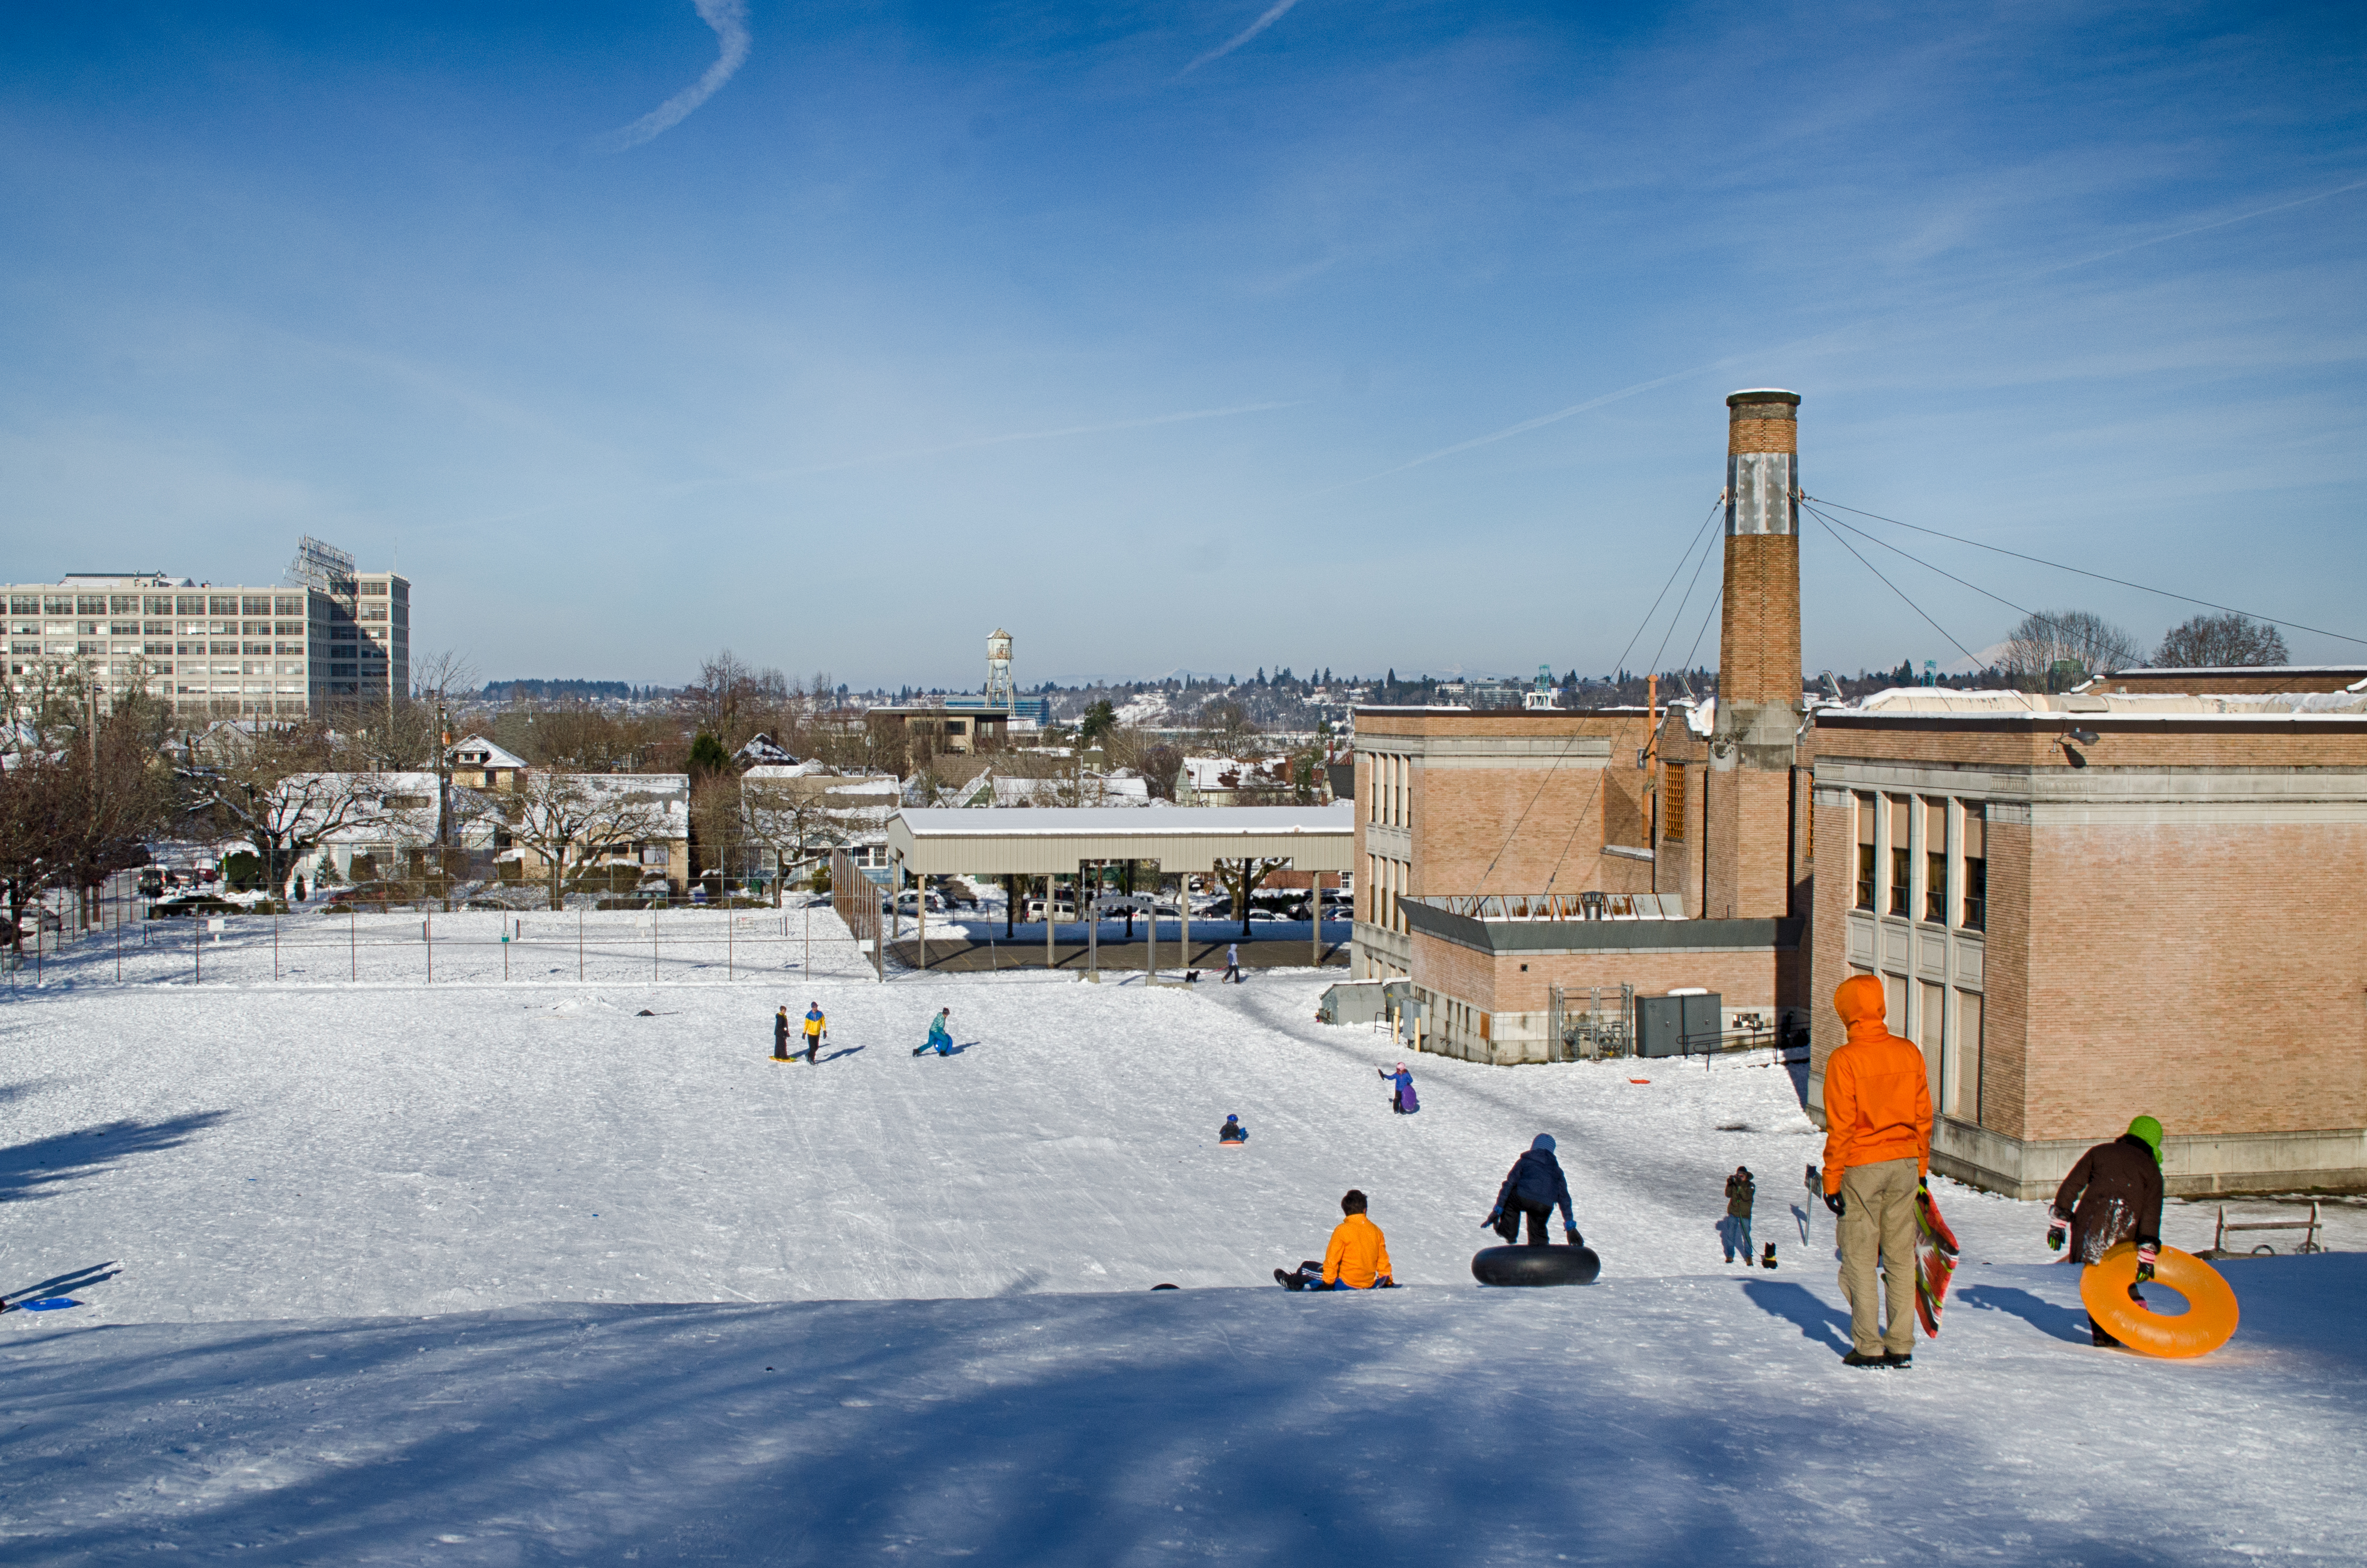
(939, 840)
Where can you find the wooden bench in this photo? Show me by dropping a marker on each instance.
(2219, 1237)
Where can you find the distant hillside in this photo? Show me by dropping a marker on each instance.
(554, 691)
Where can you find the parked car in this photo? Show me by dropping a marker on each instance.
(366, 892)
(1034, 911)
(908, 903)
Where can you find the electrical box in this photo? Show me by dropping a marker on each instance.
(1673, 1025)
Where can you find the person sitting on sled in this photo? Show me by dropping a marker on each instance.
(1232, 1131)
(1357, 1259)
(941, 1037)
(1401, 1096)
(1533, 1186)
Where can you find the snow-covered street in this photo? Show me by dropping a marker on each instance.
(477, 1273)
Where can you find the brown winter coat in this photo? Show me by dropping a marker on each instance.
(2112, 1196)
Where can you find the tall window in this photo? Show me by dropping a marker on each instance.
(1672, 802)
(1935, 861)
(1865, 852)
(1899, 862)
(1977, 868)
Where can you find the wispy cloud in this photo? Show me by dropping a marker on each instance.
(1541, 420)
(729, 18)
(1274, 14)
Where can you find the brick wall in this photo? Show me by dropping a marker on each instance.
(1759, 622)
(2213, 976)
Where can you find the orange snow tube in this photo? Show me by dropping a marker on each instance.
(2208, 1322)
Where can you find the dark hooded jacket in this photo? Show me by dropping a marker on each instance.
(2112, 1196)
(1537, 1182)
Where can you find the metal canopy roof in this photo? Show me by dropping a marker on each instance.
(935, 841)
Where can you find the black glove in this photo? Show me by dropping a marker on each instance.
(2055, 1236)
(1837, 1203)
(1575, 1239)
(1489, 1223)
(2147, 1253)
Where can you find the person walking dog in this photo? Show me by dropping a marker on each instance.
(1741, 1192)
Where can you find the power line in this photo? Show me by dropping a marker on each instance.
(1591, 795)
(2068, 632)
(1620, 665)
(2081, 571)
(1901, 592)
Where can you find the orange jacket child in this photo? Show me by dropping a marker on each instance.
(1878, 1100)
(1358, 1257)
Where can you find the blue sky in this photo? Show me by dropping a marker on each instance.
(1073, 320)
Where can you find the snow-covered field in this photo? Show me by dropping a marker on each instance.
(499, 1273)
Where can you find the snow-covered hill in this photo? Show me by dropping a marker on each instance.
(497, 1273)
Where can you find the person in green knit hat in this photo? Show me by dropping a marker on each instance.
(2112, 1195)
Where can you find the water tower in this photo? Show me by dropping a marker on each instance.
(998, 669)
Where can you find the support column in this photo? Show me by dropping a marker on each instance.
(1315, 908)
(1183, 902)
(1049, 962)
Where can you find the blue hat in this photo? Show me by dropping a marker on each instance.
(1232, 1118)
(1544, 1140)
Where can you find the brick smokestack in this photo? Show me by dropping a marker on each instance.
(1754, 743)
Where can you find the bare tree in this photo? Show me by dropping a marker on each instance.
(1240, 878)
(2221, 641)
(271, 787)
(2056, 650)
(734, 700)
(560, 815)
(32, 800)
(791, 817)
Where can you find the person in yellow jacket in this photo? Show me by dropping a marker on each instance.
(1877, 1153)
(1357, 1259)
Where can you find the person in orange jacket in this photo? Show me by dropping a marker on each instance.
(1357, 1259)
(1877, 1155)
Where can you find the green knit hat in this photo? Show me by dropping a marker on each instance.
(2146, 1130)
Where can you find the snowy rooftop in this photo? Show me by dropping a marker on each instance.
(1923, 700)
(1053, 821)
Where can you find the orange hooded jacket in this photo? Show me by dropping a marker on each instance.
(1357, 1255)
(1878, 1100)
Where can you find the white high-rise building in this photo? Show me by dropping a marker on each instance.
(216, 651)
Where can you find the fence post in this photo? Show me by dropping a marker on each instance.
(429, 926)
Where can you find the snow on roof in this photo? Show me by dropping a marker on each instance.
(477, 752)
(761, 749)
(1208, 772)
(764, 772)
(1093, 789)
(945, 822)
(1916, 700)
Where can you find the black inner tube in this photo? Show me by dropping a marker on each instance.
(1536, 1266)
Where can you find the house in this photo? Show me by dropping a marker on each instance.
(1232, 781)
(481, 765)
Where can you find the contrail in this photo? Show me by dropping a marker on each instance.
(1526, 425)
(729, 18)
(1280, 9)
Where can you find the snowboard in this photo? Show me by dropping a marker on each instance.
(47, 1304)
(1935, 1261)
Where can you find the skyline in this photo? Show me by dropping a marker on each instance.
(1337, 336)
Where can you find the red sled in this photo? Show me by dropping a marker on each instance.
(1935, 1261)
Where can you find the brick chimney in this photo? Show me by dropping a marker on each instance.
(1747, 866)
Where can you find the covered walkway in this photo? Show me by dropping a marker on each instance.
(1065, 841)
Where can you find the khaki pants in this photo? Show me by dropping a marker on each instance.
(1878, 1218)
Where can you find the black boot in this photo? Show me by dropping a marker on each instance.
(1290, 1281)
